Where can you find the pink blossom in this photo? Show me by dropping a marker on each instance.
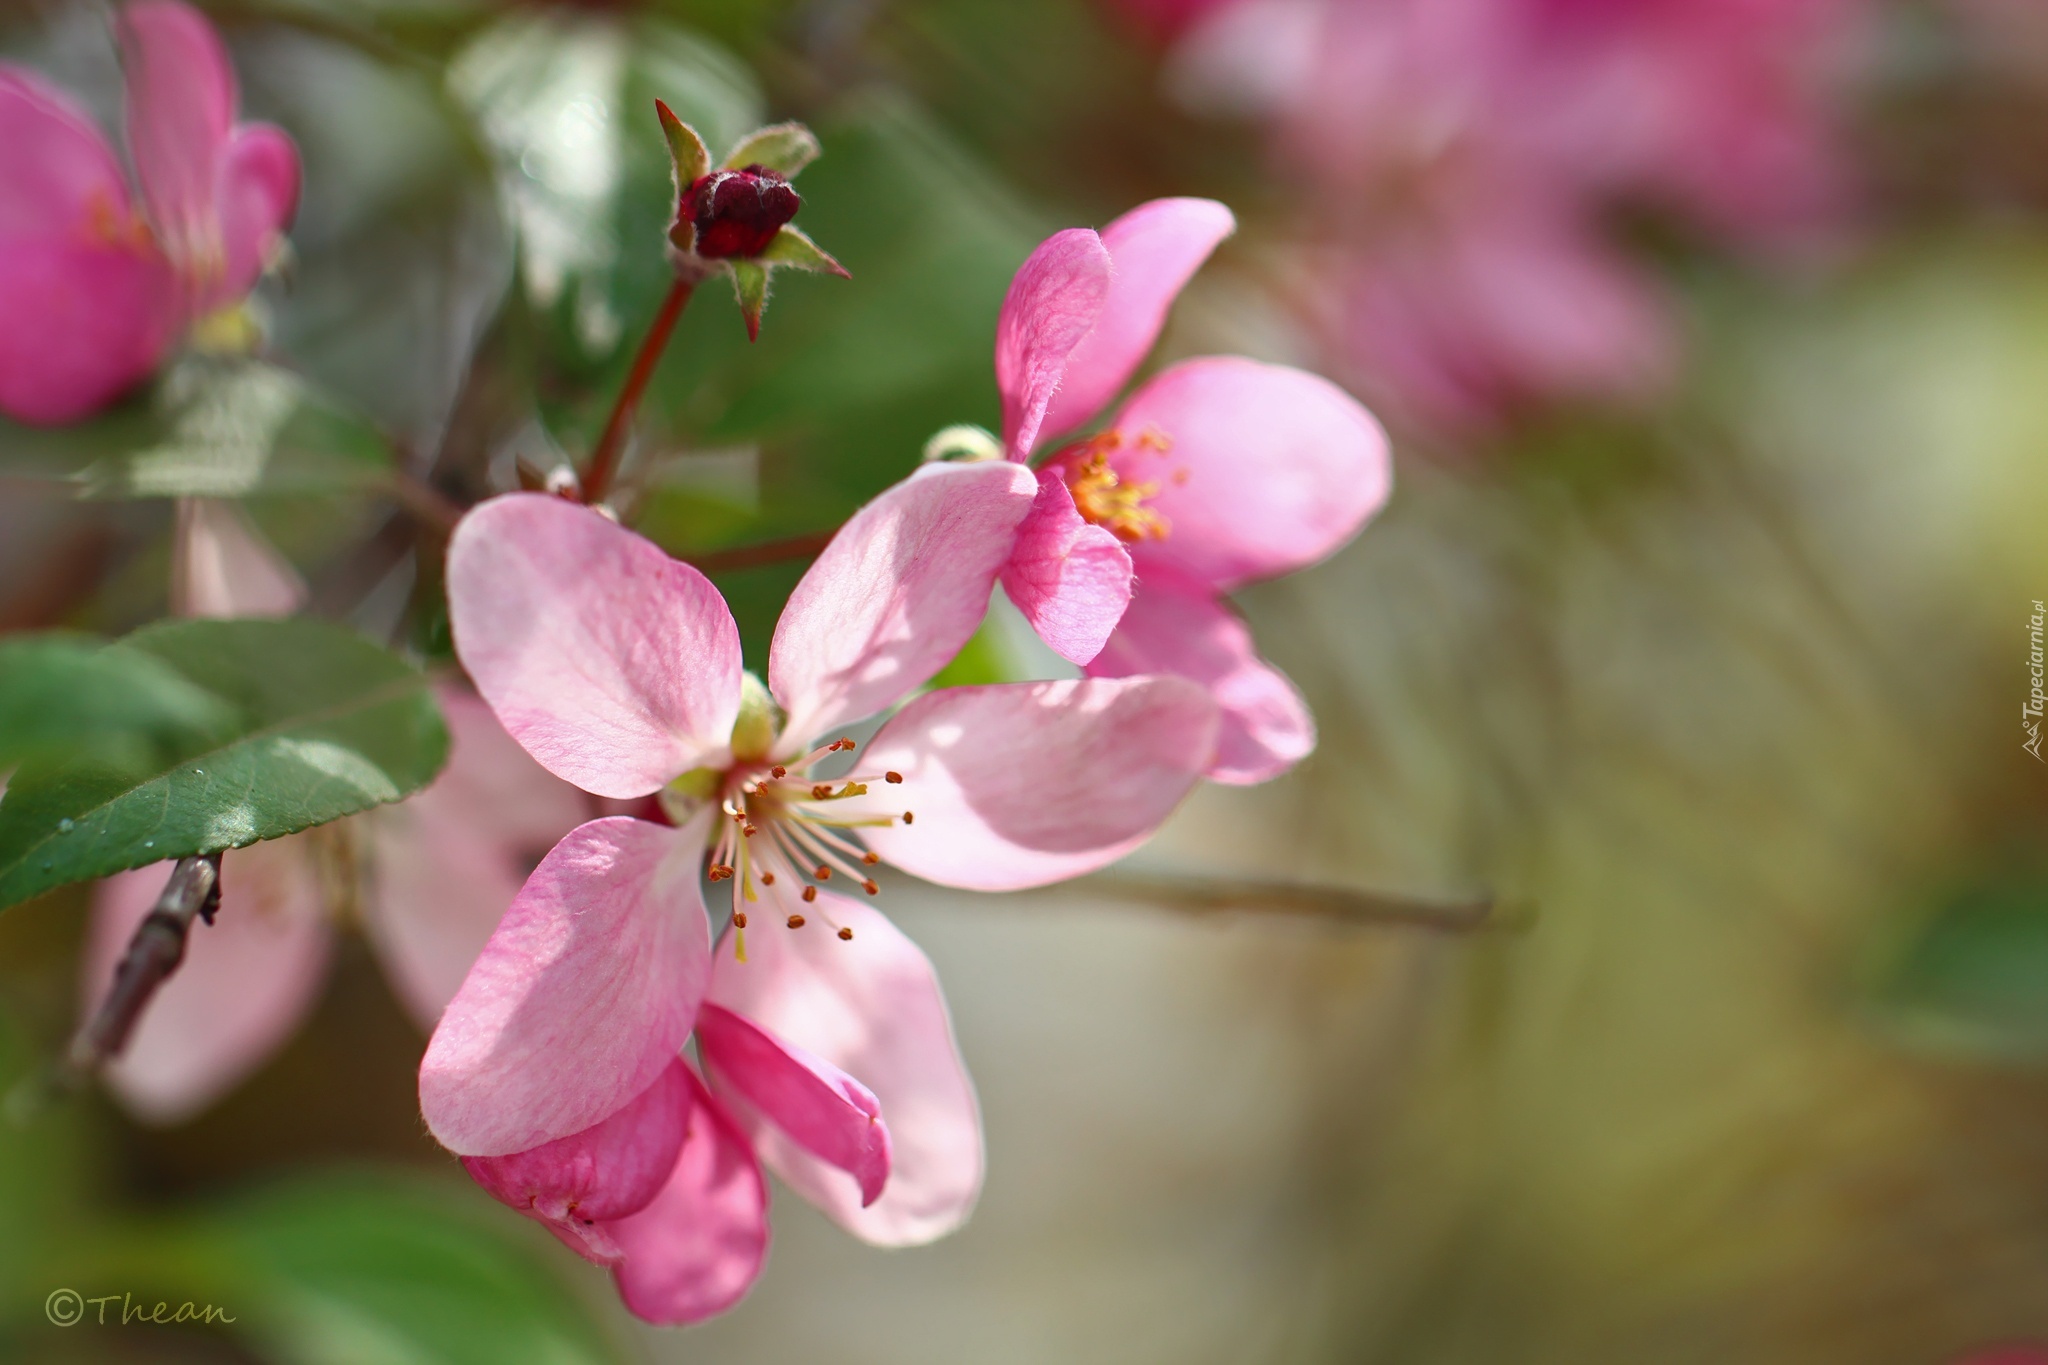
(428, 878)
(555, 1071)
(1216, 473)
(93, 291)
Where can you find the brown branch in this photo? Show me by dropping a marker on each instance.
(154, 952)
(767, 552)
(1343, 904)
(604, 459)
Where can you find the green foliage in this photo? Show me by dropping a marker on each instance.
(62, 693)
(1973, 976)
(309, 723)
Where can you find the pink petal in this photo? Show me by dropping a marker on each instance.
(57, 171)
(80, 324)
(1266, 726)
(1021, 784)
(899, 590)
(450, 860)
(257, 195)
(581, 998)
(222, 566)
(1071, 580)
(247, 981)
(872, 1007)
(816, 1105)
(1055, 298)
(611, 1170)
(696, 1250)
(181, 104)
(614, 665)
(1155, 249)
(1268, 469)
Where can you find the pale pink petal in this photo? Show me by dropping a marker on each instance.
(581, 998)
(614, 665)
(696, 1250)
(1071, 580)
(1154, 250)
(58, 174)
(813, 1103)
(1266, 469)
(1266, 725)
(181, 104)
(448, 862)
(247, 981)
(611, 1170)
(80, 324)
(222, 566)
(899, 590)
(1055, 298)
(256, 198)
(1021, 784)
(871, 1006)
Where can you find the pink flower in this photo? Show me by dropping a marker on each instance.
(556, 1068)
(93, 293)
(428, 878)
(1216, 473)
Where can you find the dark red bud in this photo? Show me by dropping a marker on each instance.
(737, 213)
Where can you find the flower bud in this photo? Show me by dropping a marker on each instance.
(737, 213)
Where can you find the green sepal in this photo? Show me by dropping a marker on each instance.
(750, 287)
(794, 248)
(784, 148)
(753, 731)
(689, 159)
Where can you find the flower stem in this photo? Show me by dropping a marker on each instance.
(604, 460)
(192, 892)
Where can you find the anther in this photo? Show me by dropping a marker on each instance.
(739, 919)
(821, 791)
(810, 893)
(910, 817)
(823, 874)
(843, 743)
(749, 831)
(846, 934)
(871, 888)
(778, 771)
(796, 921)
(767, 879)
(892, 777)
(871, 858)
(720, 872)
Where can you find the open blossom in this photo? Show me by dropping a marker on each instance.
(93, 291)
(1216, 473)
(825, 1043)
(427, 878)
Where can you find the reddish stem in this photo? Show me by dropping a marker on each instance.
(604, 460)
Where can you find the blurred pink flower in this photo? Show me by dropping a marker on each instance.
(438, 869)
(1216, 473)
(1454, 162)
(619, 669)
(94, 293)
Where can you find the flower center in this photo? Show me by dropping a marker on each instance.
(1103, 497)
(781, 834)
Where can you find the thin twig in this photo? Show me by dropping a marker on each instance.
(1344, 904)
(158, 946)
(767, 552)
(428, 505)
(604, 459)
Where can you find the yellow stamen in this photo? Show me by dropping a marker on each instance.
(1103, 498)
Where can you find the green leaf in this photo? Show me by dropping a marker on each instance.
(1973, 977)
(793, 249)
(318, 724)
(341, 1268)
(212, 428)
(784, 148)
(63, 692)
(750, 287)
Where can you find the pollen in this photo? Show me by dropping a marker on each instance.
(795, 921)
(846, 935)
(871, 888)
(892, 776)
(739, 919)
(810, 894)
(1102, 496)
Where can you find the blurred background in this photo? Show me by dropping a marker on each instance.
(1713, 338)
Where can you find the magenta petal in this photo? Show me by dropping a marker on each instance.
(57, 171)
(1071, 580)
(819, 1107)
(614, 665)
(582, 997)
(1266, 726)
(696, 1250)
(870, 1005)
(610, 1170)
(80, 324)
(247, 981)
(258, 193)
(222, 566)
(1268, 469)
(1154, 250)
(1021, 784)
(899, 590)
(181, 105)
(1055, 298)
